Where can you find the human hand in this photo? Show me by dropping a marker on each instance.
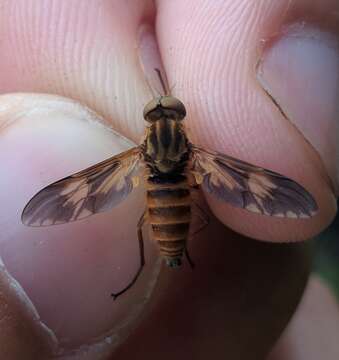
(88, 51)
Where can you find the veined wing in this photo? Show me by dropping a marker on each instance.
(96, 189)
(250, 187)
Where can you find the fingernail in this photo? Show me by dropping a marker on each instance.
(301, 73)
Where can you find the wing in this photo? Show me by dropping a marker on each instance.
(250, 187)
(96, 189)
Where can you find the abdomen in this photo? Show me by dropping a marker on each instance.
(169, 214)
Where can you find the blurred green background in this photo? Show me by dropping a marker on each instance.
(326, 259)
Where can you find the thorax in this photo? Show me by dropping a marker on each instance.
(166, 149)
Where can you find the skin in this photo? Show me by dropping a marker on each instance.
(243, 292)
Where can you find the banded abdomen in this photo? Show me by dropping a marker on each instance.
(169, 214)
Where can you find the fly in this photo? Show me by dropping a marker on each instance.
(167, 159)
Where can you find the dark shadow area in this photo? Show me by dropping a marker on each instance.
(326, 259)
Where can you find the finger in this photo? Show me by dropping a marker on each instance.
(234, 304)
(313, 332)
(212, 55)
(68, 271)
(80, 49)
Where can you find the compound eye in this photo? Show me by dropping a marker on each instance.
(174, 106)
(151, 111)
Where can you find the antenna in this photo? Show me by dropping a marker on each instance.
(163, 84)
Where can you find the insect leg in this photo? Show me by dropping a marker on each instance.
(205, 219)
(194, 186)
(188, 257)
(142, 257)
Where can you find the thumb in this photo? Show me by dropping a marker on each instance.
(73, 268)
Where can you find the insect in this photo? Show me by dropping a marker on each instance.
(167, 158)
